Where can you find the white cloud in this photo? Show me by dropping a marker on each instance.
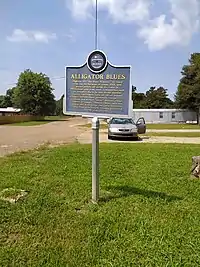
(80, 8)
(156, 32)
(19, 35)
(71, 35)
(119, 10)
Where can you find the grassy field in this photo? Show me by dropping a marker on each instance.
(158, 126)
(28, 123)
(173, 134)
(173, 126)
(40, 122)
(148, 214)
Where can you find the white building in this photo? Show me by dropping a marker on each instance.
(165, 115)
(9, 111)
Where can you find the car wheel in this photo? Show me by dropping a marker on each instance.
(109, 137)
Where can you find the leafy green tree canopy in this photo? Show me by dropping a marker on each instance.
(2, 101)
(138, 99)
(34, 94)
(188, 92)
(158, 98)
(7, 100)
(153, 98)
(59, 106)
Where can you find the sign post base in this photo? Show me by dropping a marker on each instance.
(95, 159)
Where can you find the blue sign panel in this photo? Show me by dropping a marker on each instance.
(97, 88)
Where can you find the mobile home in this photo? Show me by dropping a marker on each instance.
(165, 115)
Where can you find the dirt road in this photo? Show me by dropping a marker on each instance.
(17, 138)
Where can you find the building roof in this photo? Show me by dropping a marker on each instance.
(160, 110)
(10, 109)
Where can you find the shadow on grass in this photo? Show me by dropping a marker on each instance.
(126, 191)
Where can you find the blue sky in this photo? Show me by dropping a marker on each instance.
(154, 37)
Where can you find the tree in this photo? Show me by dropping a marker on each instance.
(34, 94)
(188, 91)
(158, 98)
(153, 98)
(8, 99)
(59, 106)
(2, 101)
(138, 98)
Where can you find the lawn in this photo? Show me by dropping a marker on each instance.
(39, 122)
(89, 125)
(173, 126)
(158, 126)
(174, 134)
(28, 123)
(148, 214)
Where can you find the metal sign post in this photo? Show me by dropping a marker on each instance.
(95, 159)
(97, 89)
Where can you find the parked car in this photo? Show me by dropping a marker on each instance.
(125, 127)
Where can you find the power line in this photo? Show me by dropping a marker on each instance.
(57, 78)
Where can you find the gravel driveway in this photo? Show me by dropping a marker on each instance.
(85, 137)
(17, 138)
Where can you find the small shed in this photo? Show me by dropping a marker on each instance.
(165, 115)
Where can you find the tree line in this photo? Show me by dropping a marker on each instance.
(33, 93)
(187, 95)
(153, 98)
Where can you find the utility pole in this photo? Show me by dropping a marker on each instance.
(96, 25)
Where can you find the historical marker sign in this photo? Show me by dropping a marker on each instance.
(97, 88)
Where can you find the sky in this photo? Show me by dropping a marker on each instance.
(155, 37)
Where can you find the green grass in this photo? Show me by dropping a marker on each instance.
(28, 123)
(148, 214)
(39, 122)
(10, 192)
(89, 125)
(157, 126)
(173, 126)
(174, 134)
(56, 118)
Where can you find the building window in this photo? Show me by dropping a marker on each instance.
(173, 115)
(161, 115)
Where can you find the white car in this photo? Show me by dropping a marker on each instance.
(125, 127)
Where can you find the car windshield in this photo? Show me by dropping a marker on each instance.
(121, 121)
